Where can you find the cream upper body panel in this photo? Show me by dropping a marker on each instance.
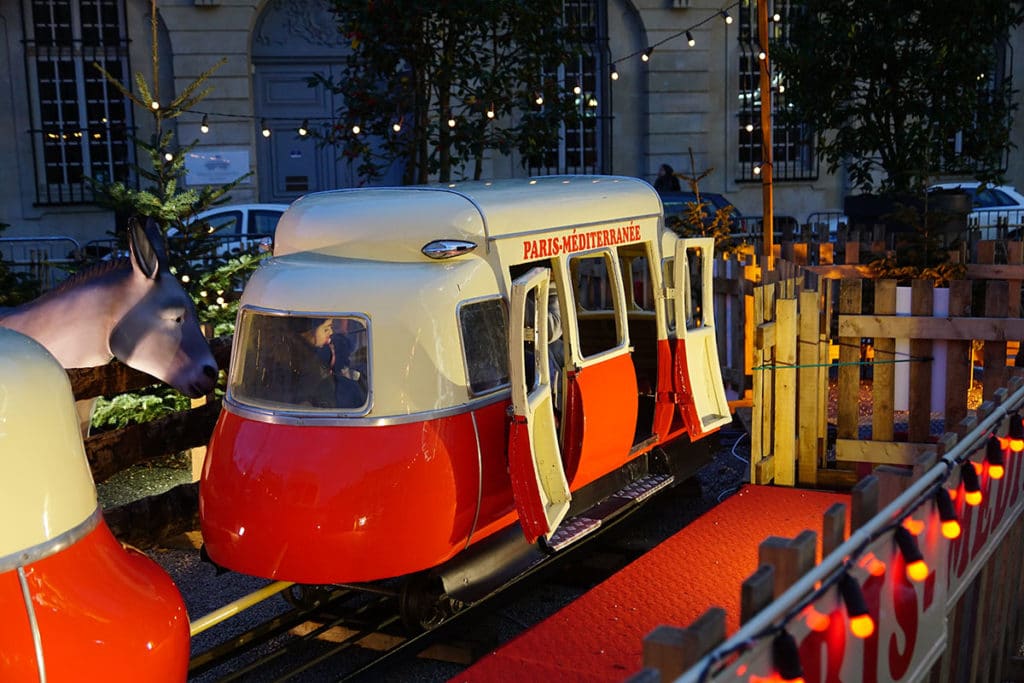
(394, 224)
(412, 309)
(361, 253)
(47, 487)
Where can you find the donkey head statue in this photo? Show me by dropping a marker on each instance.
(130, 308)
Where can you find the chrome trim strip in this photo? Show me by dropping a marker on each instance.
(54, 545)
(479, 480)
(33, 624)
(283, 417)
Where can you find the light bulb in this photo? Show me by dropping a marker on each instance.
(204, 127)
(689, 39)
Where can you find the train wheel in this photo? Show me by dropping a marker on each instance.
(305, 596)
(423, 604)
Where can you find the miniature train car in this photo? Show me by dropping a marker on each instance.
(76, 605)
(419, 372)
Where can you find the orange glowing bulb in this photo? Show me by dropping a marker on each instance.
(862, 626)
(952, 494)
(978, 467)
(972, 497)
(1017, 445)
(951, 529)
(996, 471)
(917, 571)
(817, 621)
(875, 567)
(914, 526)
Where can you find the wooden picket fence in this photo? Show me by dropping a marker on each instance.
(965, 622)
(822, 331)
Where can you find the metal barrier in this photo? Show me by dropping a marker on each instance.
(42, 258)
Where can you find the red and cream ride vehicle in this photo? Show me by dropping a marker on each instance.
(446, 381)
(76, 604)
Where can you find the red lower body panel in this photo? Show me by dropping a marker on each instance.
(333, 504)
(103, 613)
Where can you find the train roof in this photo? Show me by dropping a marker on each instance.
(395, 223)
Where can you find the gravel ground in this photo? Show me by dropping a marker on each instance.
(204, 590)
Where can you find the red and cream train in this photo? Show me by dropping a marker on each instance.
(76, 604)
(424, 439)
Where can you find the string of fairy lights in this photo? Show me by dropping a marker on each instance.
(936, 500)
(304, 130)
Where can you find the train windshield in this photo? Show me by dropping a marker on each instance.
(290, 362)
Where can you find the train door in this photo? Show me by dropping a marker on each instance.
(697, 371)
(539, 483)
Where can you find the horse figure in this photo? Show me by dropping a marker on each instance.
(131, 309)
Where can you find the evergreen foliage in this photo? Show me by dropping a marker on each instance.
(479, 63)
(890, 90)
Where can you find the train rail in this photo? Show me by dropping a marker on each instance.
(356, 633)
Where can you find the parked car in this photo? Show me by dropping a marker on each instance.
(233, 229)
(675, 204)
(993, 205)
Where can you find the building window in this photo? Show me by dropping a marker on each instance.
(80, 121)
(582, 145)
(793, 156)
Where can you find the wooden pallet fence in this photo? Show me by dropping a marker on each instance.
(933, 342)
(964, 621)
(789, 431)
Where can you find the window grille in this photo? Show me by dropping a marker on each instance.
(582, 143)
(81, 122)
(793, 154)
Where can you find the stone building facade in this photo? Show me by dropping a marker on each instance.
(698, 98)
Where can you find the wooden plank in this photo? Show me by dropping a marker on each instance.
(756, 592)
(996, 306)
(810, 393)
(673, 650)
(833, 531)
(785, 392)
(906, 327)
(883, 387)
(958, 356)
(922, 304)
(111, 452)
(791, 558)
(850, 293)
(863, 502)
(758, 447)
(880, 452)
(145, 522)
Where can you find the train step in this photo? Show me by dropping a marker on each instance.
(636, 492)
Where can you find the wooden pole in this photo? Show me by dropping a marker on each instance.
(768, 213)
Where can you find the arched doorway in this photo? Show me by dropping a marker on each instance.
(292, 41)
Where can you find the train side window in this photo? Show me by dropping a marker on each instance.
(640, 295)
(484, 326)
(596, 304)
(695, 288)
(301, 362)
(668, 274)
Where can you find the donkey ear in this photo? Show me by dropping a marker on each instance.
(146, 246)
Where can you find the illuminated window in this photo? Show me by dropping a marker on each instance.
(80, 121)
(793, 156)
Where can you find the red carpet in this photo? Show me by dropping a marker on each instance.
(599, 637)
